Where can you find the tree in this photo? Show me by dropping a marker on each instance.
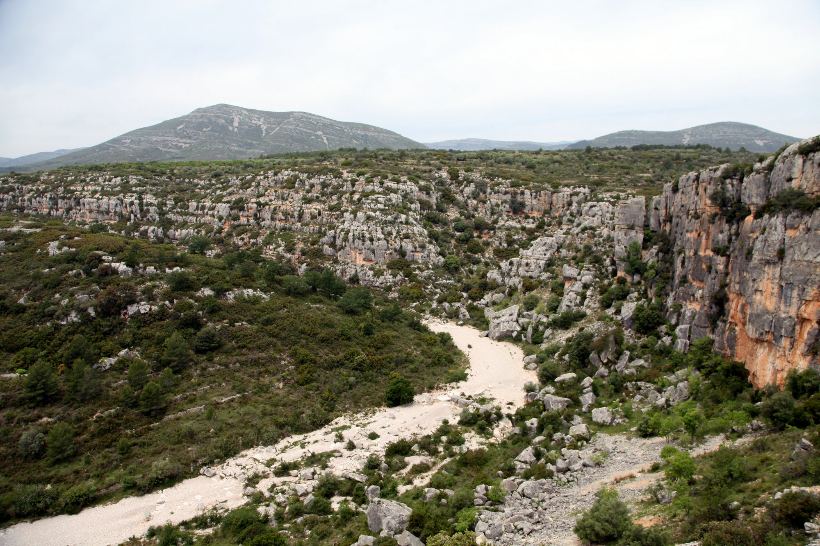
(60, 442)
(647, 318)
(112, 300)
(152, 399)
(207, 340)
(176, 354)
(137, 374)
(295, 285)
(32, 444)
(41, 383)
(399, 392)
(779, 409)
(83, 382)
(199, 244)
(606, 522)
(181, 281)
(356, 300)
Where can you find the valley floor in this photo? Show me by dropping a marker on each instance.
(496, 371)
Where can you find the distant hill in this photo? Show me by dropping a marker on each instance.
(26, 160)
(726, 134)
(231, 132)
(477, 144)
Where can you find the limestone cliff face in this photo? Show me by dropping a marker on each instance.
(744, 274)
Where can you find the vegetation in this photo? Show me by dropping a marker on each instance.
(116, 405)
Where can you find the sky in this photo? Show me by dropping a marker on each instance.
(75, 73)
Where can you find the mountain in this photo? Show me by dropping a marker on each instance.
(477, 144)
(231, 132)
(725, 134)
(26, 160)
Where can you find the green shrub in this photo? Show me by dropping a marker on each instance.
(237, 521)
(457, 539)
(207, 340)
(356, 300)
(60, 442)
(647, 318)
(399, 392)
(41, 383)
(730, 533)
(32, 444)
(78, 497)
(606, 521)
(795, 508)
(33, 500)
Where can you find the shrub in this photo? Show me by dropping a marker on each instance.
(60, 442)
(606, 521)
(795, 508)
(78, 497)
(679, 466)
(176, 353)
(457, 539)
(137, 374)
(356, 300)
(566, 319)
(779, 409)
(530, 302)
(41, 383)
(548, 371)
(207, 340)
(32, 444)
(152, 399)
(730, 533)
(647, 318)
(199, 244)
(294, 285)
(33, 500)
(240, 519)
(639, 536)
(399, 392)
(181, 281)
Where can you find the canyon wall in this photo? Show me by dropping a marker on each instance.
(745, 261)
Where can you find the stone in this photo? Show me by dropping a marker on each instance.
(389, 516)
(566, 377)
(406, 538)
(602, 416)
(527, 456)
(586, 383)
(364, 540)
(503, 323)
(587, 400)
(372, 492)
(555, 403)
(579, 431)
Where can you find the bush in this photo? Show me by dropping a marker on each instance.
(639, 536)
(647, 318)
(606, 521)
(730, 533)
(548, 371)
(779, 409)
(207, 340)
(181, 281)
(356, 300)
(176, 353)
(399, 392)
(78, 497)
(458, 539)
(60, 442)
(33, 500)
(199, 244)
(237, 521)
(795, 508)
(294, 285)
(152, 399)
(41, 383)
(566, 319)
(530, 302)
(679, 466)
(32, 444)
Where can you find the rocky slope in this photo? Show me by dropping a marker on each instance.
(746, 273)
(727, 134)
(224, 131)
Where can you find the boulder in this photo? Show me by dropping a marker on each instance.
(503, 323)
(388, 516)
(579, 431)
(406, 538)
(566, 377)
(587, 400)
(602, 416)
(555, 403)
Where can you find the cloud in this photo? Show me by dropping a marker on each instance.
(78, 72)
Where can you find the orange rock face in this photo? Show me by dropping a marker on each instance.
(748, 279)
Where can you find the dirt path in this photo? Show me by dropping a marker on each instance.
(496, 371)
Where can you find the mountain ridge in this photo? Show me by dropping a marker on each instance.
(722, 134)
(224, 132)
(478, 144)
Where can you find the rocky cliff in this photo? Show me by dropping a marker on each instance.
(745, 260)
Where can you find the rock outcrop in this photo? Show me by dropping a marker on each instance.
(745, 273)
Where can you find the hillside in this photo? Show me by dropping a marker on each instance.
(727, 134)
(223, 131)
(478, 144)
(30, 159)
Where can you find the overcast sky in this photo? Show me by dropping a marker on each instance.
(76, 73)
